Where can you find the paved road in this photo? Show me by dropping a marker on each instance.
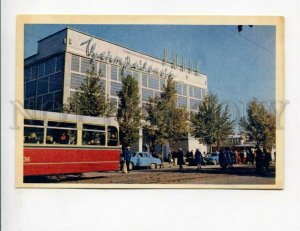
(240, 174)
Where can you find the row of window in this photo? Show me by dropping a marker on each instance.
(48, 67)
(44, 85)
(197, 92)
(47, 102)
(147, 93)
(82, 65)
(66, 133)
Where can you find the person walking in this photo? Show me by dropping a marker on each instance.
(180, 158)
(259, 160)
(175, 158)
(127, 158)
(198, 159)
(228, 155)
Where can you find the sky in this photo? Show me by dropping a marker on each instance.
(239, 66)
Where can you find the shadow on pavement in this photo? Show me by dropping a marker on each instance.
(236, 170)
(54, 179)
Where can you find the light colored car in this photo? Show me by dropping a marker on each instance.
(144, 159)
(213, 158)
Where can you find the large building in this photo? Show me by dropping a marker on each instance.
(63, 58)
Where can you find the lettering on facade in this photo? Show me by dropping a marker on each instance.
(107, 57)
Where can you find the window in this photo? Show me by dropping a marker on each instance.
(182, 101)
(33, 131)
(27, 74)
(43, 85)
(194, 104)
(115, 88)
(197, 92)
(93, 135)
(85, 65)
(34, 122)
(114, 103)
(61, 133)
(179, 88)
(55, 82)
(146, 94)
(102, 84)
(41, 69)
(112, 133)
(39, 102)
(162, 83)
(144, 80)
(76, 80)
(33, 135)
(34, 72)
(75, 63)
(48, 101)
(59, 63)
(135, 75)
(30, 89)
(50, 66)
(114, 73)
(184, 89)
(153, 82)
(128, 72)
(157, 93)
(102, 68)
(191, 91)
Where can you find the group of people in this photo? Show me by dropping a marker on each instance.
(178, 158)
(244, 156)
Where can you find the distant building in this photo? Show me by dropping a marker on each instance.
(53, 74)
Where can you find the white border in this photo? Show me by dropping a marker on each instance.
(68, 209)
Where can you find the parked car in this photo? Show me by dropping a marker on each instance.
(143, 159)
(213, 158)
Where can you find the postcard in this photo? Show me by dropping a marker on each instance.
(150, 101)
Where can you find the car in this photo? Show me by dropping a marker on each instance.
(143, 159)
(212, 158)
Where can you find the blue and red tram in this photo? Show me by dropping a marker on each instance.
(60, 143)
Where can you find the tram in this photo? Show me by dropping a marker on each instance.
(60, 143)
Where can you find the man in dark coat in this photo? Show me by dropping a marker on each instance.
(127, 157)
(198, 159)
(180, 158)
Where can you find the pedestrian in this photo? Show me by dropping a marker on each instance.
(259, 160)
(228, 154)
(180, 158)
(175, 158)
(170, 158)
(127, 158)
(266, 161)
(242, 157)
(222, 159)
(236, 155)
(198, 159)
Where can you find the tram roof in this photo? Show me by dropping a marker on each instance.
(65, 117)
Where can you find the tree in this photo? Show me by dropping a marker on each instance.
(211, 124)
(164, 120)
(259, 125)
(129, 111)
(90, 98)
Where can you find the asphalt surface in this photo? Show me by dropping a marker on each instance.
(239, 174)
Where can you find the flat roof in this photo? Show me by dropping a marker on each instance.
(116, 44)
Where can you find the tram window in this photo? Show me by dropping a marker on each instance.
(61, 124)
(61, 136)
(93, 138)
(34, 122)
(33, 135)
(112, 136)
(93, 135)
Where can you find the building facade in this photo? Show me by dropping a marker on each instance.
(63, 58)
